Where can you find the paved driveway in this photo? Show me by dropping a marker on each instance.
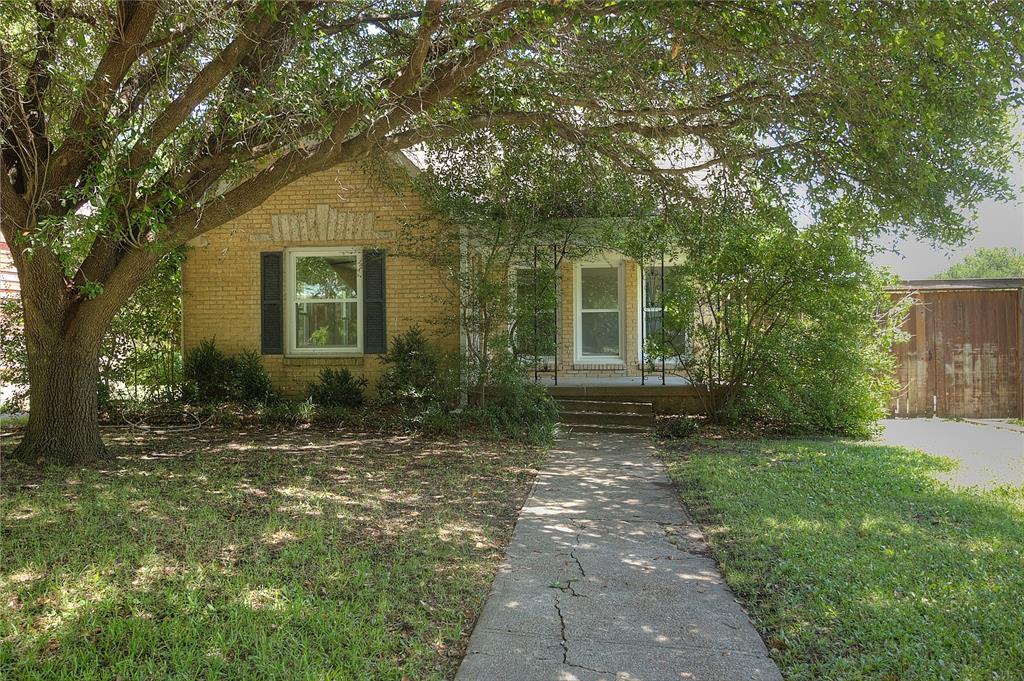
(607, 578)
(989, 453)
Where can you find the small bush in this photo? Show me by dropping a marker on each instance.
(208, 374)
(676, 426)
(211, 377)
(412, 372)
(337, 388)
(515, 406)
(251, 382)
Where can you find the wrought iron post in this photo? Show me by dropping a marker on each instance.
(558, 305)
(661, 307)
(643, 325)
(536, 357)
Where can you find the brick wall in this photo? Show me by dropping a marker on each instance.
(9, 283)
(347, 206)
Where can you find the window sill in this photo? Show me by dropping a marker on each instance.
(594, 364)
(335, 358)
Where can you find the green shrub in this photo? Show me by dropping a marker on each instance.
(513, 405)
(676, 426)
(325, 415)
(211, 377)
(207, 373)
(250, 380)
(337, 388)
(791, 326)
(411, 376)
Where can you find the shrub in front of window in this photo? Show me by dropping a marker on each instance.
(337, 388)
(783, 326)
(412, 373)
(516, 406)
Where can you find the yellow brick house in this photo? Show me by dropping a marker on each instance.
(314, 277)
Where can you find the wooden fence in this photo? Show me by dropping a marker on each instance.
(965, 355)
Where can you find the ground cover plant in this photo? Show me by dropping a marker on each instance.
(855, 562)
(253, 554)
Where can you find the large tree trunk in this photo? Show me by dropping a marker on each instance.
(62, 422)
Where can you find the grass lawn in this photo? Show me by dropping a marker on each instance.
(856, 564)
(300, 555)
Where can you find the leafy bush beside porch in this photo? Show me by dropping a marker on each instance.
(786, 328)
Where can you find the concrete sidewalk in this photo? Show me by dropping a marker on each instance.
(606, 578)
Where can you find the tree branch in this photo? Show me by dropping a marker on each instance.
(39, 78)
(134, 22)
(249, 36)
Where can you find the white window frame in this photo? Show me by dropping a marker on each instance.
(513, 281)
(291, 255)
(643, 309)
(606, 262)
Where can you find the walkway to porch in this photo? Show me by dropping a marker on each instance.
(606, 578)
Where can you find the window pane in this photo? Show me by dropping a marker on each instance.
(653, 319)
(326, 276)
(676, 342)
(535, 317)
(652, 286)
(599, 288)
(652, 283)
(326, 325)
(599, 332)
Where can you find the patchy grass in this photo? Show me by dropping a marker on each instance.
(856, 563)
(254, 555)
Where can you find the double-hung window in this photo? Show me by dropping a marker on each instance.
(535, 296)
(599, 305)
(324, 301)
(653, 301)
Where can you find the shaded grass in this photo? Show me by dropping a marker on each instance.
(254, 555)
(855, 563)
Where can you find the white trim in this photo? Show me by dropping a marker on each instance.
(290, 301)
(601, 262)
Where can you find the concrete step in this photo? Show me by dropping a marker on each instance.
(604, 406)
(591, 418)
(586, 428)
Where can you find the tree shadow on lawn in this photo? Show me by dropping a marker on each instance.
(856, 561)
(277, 554)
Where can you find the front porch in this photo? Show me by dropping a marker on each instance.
(582, 327)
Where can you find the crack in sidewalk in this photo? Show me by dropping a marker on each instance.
(572, 591)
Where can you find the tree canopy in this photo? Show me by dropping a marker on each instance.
(130, 127)
(987, 263)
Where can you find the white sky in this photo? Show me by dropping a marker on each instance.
(998, 224)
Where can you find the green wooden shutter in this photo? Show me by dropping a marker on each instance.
(375, 332)
(272, 303)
